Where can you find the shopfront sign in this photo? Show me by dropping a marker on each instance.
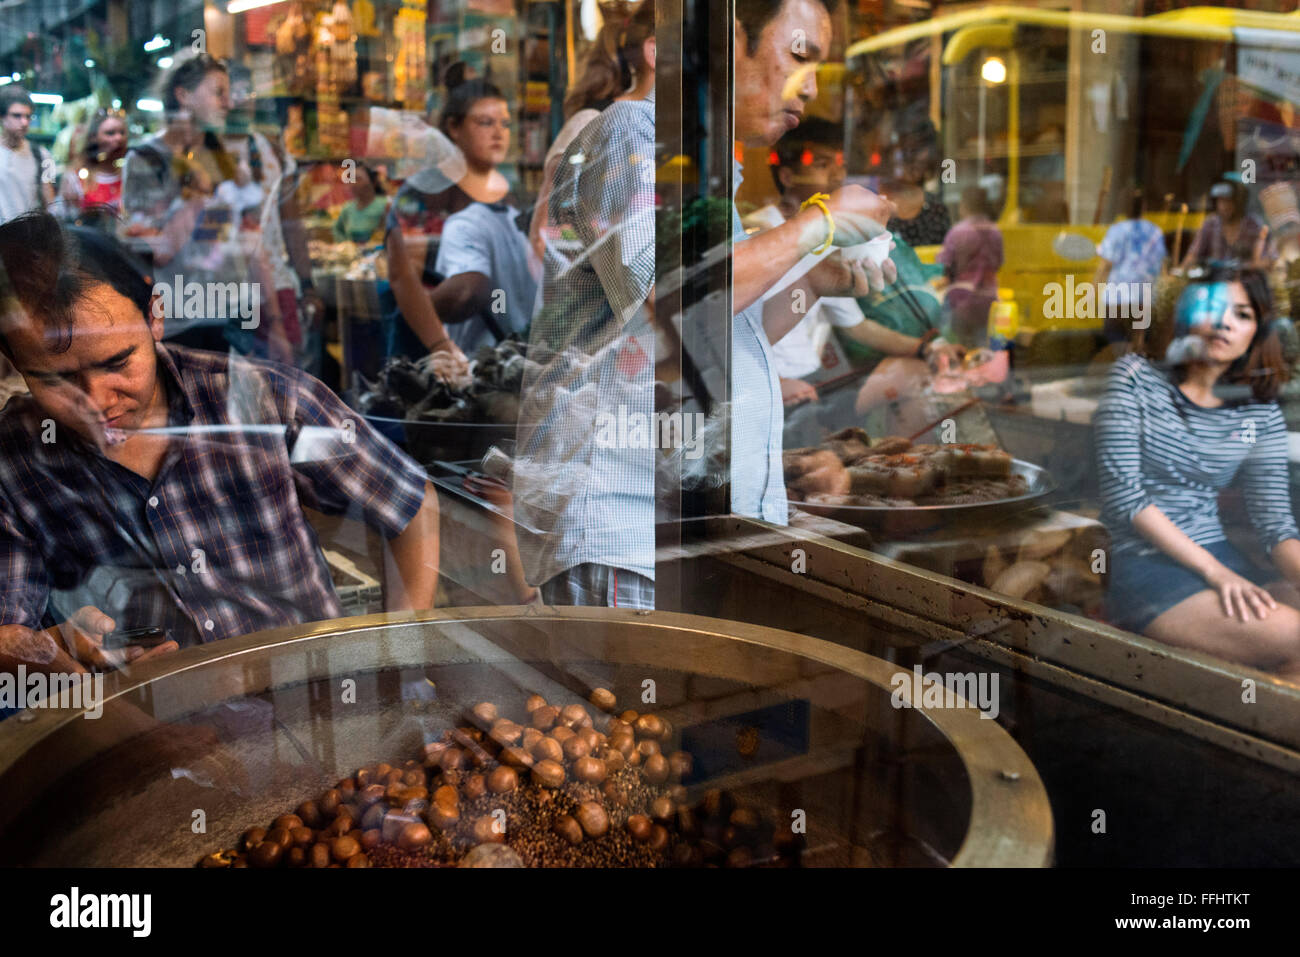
(1270, 61)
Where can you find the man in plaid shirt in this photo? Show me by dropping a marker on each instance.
(143, 485)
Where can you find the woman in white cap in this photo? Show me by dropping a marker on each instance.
(1231, 233)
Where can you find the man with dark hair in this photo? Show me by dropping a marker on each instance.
(812, 156)
(26, 170)
(777, 49)
(583, 480)
(810, 161)
(753, 16)
(134, 495)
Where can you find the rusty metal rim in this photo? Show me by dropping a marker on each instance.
(1010, 822)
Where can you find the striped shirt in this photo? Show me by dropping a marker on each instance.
(591, 356)
(217, 545)
(1156, 447)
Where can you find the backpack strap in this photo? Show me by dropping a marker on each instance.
(40, 155)
(154, 156)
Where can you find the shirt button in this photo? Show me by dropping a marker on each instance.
(180, 569)
(209, 624)
(153, 501)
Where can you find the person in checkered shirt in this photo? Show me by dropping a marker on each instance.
(144, 485)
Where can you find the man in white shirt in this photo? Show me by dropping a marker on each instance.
(26, 170)
(810, 160)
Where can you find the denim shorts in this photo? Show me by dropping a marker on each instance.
(1143, 587)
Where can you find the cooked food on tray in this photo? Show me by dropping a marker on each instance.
(894, 476)
(434, 388)
(815, 471)
(848, 469)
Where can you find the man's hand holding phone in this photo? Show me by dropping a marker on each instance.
(90, 638)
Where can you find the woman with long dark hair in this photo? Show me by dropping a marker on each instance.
(619, 66)
(1176, 427)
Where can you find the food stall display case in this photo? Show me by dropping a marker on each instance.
(1112, 720)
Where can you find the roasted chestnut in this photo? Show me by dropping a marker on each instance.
(544, 718)
(549, 774)
(414, 835)
(503, 780)
(639, 826)
(342, 848)
(568, 828)
(548, 749)
(591, 815)
(656, 769)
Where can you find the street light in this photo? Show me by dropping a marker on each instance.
(992, 71)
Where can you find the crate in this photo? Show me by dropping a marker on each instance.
(363, 595)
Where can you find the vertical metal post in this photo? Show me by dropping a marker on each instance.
(693, 93)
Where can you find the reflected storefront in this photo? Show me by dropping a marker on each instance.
(856, 433)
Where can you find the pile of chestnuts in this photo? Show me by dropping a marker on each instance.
(492, 780)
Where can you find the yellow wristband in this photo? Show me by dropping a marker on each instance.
(819, 199)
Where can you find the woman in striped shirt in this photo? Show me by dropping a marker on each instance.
(1169, 439)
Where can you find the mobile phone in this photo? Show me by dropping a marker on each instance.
(149, 637)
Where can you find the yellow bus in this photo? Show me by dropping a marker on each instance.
(1062, 114)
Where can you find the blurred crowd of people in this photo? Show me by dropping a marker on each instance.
(213, 202)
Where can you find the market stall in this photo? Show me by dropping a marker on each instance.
(784, 750)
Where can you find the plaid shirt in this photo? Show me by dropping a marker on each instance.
(217, 545)
(591, 351)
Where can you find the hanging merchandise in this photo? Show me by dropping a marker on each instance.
(364, 18)
(336, 54)
(410, 67)
(295, 131)
(294, 69)
(284, 34)
(343, 50)
(332, 129)
(331, 80)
